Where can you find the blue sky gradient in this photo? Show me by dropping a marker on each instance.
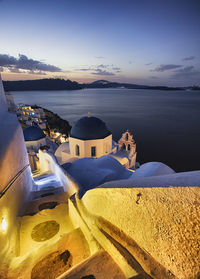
(147, 41)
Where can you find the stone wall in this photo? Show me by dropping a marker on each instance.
(164, 222)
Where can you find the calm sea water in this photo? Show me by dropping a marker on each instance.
(165, 124)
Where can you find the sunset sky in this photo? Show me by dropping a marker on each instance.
(152, 42)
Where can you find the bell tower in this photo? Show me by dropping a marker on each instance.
(127, 143)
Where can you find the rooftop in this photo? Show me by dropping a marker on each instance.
(89, 128)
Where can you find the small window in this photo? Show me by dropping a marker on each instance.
(106, 147)
(127, 136)
(77, 150)
(129, 147)
(93, 151)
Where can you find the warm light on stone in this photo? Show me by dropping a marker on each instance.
(4, 225)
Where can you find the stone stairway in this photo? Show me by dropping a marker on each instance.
(55, 242)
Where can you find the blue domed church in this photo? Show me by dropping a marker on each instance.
(90, 138)
(34, 138)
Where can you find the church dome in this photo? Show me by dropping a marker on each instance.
(89, 128)
(33, 133)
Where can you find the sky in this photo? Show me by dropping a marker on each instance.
(152, 42)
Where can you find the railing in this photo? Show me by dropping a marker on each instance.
(12, 181)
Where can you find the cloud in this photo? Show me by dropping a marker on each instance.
(83, 69)
(101, 69)
(25, 63)
(188, 58)
(165, 67)
(102, 66)
(148, 64)
(187, 69)
(116, 69)
(15, 70)
(58, 76)
(6, 60)
(41, 73)
(99, 57)
(186, 72)
(101, 72)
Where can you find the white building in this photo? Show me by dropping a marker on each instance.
(34, 138)
(90, 138)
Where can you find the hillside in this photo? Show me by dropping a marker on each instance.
(61, 84)
(41, 84)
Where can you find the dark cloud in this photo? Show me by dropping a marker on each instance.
(99, 57)
(189, 58)
(187, 69)
(165, 67)
(186, 72)
(116, 69)
(7, 61)
(84, 69)
(25, 63)
(148, 64)
(102, 66)
(101, 72)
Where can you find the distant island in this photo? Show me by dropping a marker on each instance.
(61, 84)
(41, 84)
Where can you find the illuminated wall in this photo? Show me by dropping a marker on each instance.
(103, 147)
(164, 222)
(15, 182)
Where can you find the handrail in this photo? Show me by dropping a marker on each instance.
(13, 180)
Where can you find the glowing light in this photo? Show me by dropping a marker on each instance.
(4, 225)
(131, 170)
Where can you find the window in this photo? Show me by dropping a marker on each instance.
(77, 150)
(93, 151)
(123, 146)
(127, 136)
(129, 147)
(106, 147)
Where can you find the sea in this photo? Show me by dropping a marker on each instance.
(164, 124)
